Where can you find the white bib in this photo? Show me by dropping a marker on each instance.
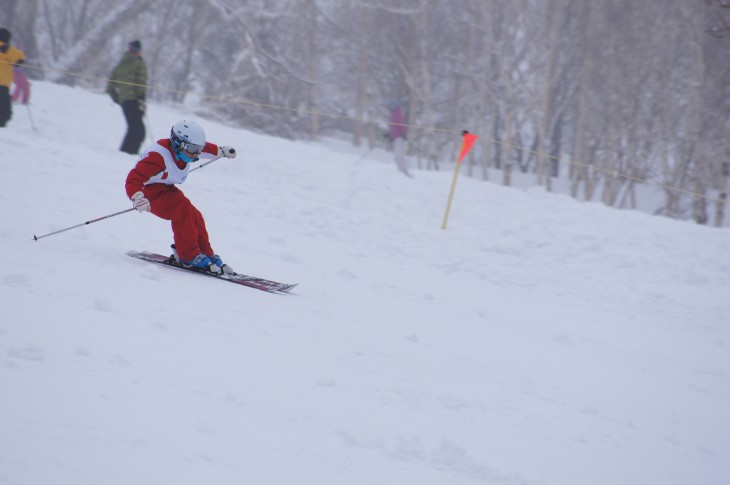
(172, 174)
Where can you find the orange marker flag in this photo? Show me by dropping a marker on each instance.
(467, 141)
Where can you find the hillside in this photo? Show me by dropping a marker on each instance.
(538, 340)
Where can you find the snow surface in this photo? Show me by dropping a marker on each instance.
(537, 340)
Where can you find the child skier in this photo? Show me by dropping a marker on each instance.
(151, 187)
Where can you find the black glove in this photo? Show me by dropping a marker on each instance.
(112, 91)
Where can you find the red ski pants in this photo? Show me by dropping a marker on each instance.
(188, 227)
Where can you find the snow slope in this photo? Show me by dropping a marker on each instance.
(538, 340)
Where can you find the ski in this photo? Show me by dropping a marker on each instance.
(245, 280)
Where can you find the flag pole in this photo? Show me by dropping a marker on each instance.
(467, 140)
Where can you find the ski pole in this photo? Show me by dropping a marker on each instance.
(32, 121)
(148, 124)
(362, 157)
(83, 224)
(36, 238)
(206, 163)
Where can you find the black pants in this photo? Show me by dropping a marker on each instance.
(6, 107)
(135, 127)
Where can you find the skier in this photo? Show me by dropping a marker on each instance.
(9, 57)
(151, 187)
(398, 133)
(21, 91)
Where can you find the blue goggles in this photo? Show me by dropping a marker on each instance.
(191, 148)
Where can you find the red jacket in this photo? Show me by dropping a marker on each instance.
(152, 164)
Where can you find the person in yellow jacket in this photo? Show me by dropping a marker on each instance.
(9, 57)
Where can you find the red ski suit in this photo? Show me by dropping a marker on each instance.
(152, 177)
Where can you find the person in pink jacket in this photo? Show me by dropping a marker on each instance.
(21, 91)
(398, 133)
(151, 185)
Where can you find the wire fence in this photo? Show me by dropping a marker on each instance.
(455, 133)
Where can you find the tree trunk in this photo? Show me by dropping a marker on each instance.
(551, 28)
(310, 30)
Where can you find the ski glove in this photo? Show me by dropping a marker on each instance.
(228, 152)
(140, 202)
(112, 91)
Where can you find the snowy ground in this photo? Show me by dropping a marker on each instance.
(537, 340)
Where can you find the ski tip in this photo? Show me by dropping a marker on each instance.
(287, 288)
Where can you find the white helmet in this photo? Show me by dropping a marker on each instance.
(188, 136)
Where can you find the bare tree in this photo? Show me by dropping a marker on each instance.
(621, 92)
(20, 16)
(96, 27)
(719, 20)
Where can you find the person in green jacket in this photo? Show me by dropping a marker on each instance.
(128, 87)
